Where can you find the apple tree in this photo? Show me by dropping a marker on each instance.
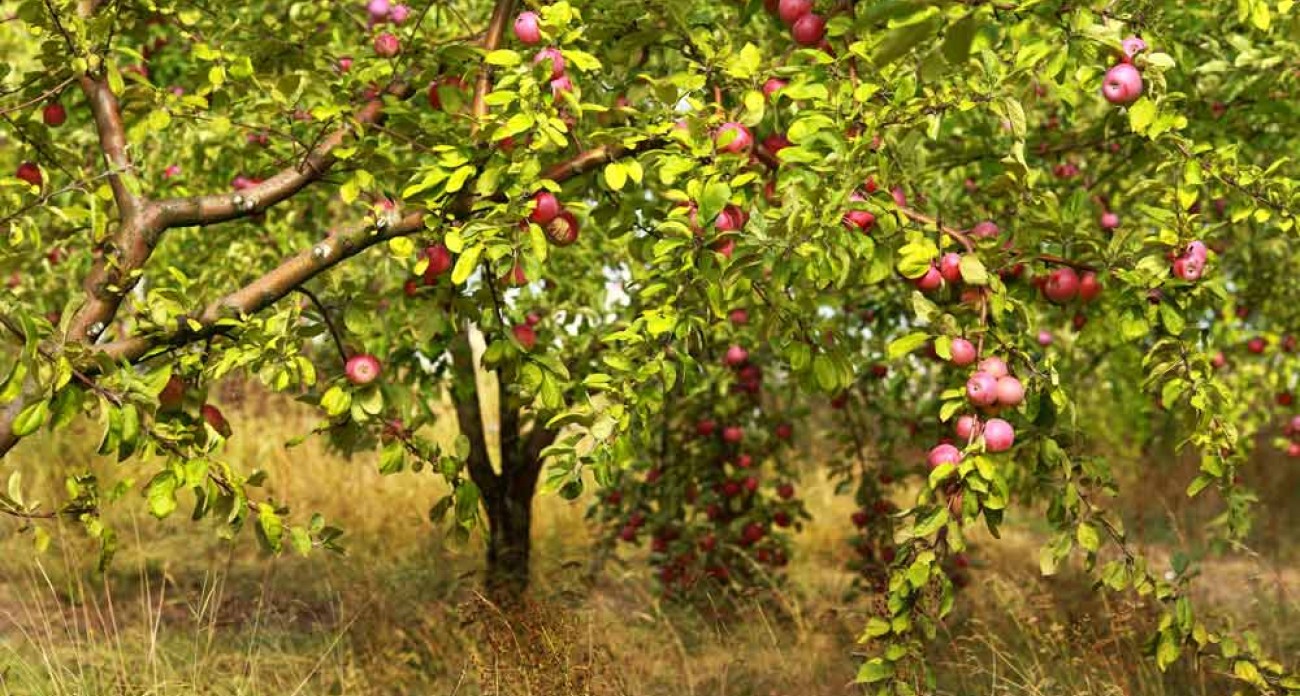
(668, 240)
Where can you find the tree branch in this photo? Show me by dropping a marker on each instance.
(112, 140)
(492, 39)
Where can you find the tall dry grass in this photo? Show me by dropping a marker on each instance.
(182, 612)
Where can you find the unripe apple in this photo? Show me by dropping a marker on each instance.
(526, 335)
(1010, 391)
(963, 352)
(1044, 338)
(932, 280)
(362, 369)
(944, 454)
(772, 86)
(563, 230)
(387, 45)
(739, 317)
(982, 389)
(213, 417)
(54, 114)
(999, 436)
(1109, 220)
(809, 30)
(29, 172)
(736, 356)
(527, 29)
(734, 138)
(950, 267)
(733, 434)
(1122, 85)
(552, 54)
(993, 366)
(967, 427)
(791, 11)
(545, 207)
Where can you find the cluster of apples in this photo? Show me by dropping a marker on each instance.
(1063, 285)
(528, 29)
(989, 388)
(1190, 264)
(807, 28)
(387, 45)
(560, 224)
(1123, 82)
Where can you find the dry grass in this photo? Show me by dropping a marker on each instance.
(182, 612)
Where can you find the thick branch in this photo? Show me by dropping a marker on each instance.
(492, 39)
(590, 159)
(112, 140)
(266, 290)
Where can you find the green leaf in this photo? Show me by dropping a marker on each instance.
(957, 40)
(615, 176)
(899, 42)
(466, 264)
(503, 57)
(906, 344)
(1141, 114)
(336, 401)
(973, 271)
(874, 670)
(270, 527)
(876, 627)
(31, 418)
(824, 369)
(161, 494)
(1088, 537)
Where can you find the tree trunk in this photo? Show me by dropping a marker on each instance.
(510, 522)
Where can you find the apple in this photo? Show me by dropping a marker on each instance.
(967, 427)
(362, 369)
(986, 229)
(860, 518)
(552, 54)
(378, 9)
(785, 491)
(1219, 361)
(772, 86)
(734, 138)
(560, 85)
(739, 317)
(781, 519)
(751, 484)
(1188, 268)
(172, 170)
(963, 352)
(809, 30)
(932, 280)
(1122, 84)
(213, 417)
(527, 29)
(1010, 391)
(1293, 450)
(173, 394)
(29, 172)
(1062, 285)
(744, 461)
(54, 114)
(706, 427)
(526, 336)
(387, 45)
(775, 143)
(753, 533)
(790, 11)
(1288, 343)
(563, 230)
(944, 454)
(1044, 338)
(950, 267)
(1285, 399)
(708, 542)
(736, 356)
(999, 436)
(532, 319)
(1109, 220)
(399, 14)
(1256, 345)
(1089, 286)
(993, 366)
(1130, 47)
(545, 207)
(733, 434)
(981, 389)
(439, 262)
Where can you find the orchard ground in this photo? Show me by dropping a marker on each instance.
(182, 612)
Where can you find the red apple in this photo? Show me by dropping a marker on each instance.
(981, 389)
(809, 30)
(546, 207)
(362, 369)
(29, 172)
(526, 336)
(1122, 84)
(1062, 285)
(791, 11)
(950, 267)
(734, 138)
(387, 45)
(527, 29)
(963, 352)
(999, 436)
(54, 114)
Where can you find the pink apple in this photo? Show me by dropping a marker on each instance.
(1010, 392)
(546, 207)
(378, 9)
(982, 388)
(1122, 85)
(1109, 220)
(399, 14)
(552, 54)
(1131, 47)
(362, 369)
(1188, 268)
(791, 10)
(932, 280)
(736, 356)
(387, 45)
(963, 352)
(734, 138)
(1044, 338)
(809, 30)
(1089, 286)
(999, 436)
(1062, 285)
(967, 426)
(527, 29)
(772, 86)
(986, 229)
(944, 454)
(733, 434)
(950, 267)
(994, 366)
(739, 317)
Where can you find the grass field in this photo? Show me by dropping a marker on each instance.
(182, 612)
